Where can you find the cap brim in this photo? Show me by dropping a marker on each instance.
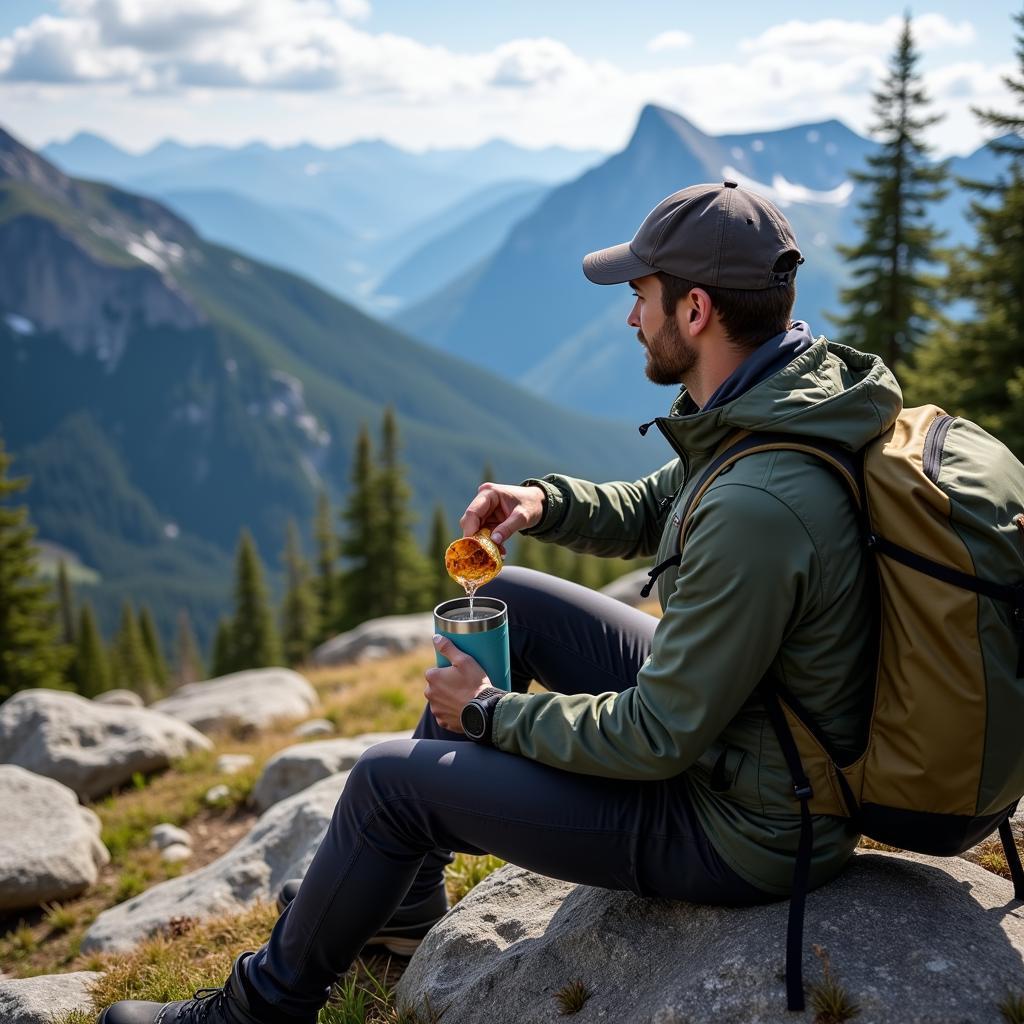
(615, 265)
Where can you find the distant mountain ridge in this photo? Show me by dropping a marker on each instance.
(527, 311)
(163, 391)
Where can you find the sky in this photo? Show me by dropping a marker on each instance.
(446, 74)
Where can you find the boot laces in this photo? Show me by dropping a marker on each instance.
(203, 1006)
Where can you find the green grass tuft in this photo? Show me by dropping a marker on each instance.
(829, 1001)
(571, 998)
(466, 871)
(1012, 1009)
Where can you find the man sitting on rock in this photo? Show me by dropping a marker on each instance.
(651, 764)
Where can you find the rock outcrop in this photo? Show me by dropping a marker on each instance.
(293, 769)
(377, 638)
(279, 846)
(90, 747)
(50, 845)
(627, 588)
(45, 999)
(914, 939)
(252, 699)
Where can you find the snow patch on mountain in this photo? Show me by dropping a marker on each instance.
(19, 324)
(784, 193)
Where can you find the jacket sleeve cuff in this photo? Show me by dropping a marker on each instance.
(555, 506)
(503, 721)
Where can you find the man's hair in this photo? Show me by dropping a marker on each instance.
(748, 317)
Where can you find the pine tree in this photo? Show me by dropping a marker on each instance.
(975, 368)
(133, 670)
(188, 665)
(299, 607)
(151, 641)
(361, 540)
(892, 302)
(529, 553)
(488, 473)
(30, 650)
(442, 586)
(65, 605)
(222, 657)
(403, 568)
(326, 585)
(90, 668)
(254, 639)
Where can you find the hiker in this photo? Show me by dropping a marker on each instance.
(651, 764)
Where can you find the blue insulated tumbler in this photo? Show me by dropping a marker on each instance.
(484, 637)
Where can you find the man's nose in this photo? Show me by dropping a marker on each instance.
(633, 319)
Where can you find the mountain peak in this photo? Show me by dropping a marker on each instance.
(19, 163)
(659, 125)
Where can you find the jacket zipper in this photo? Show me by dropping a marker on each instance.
(933, 442)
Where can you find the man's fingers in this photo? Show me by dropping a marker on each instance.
(448, 649)
(475, 513)
(515, 522)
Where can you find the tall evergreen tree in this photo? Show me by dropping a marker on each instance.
(892, 302)
(442, 586)
(151, 641)
(90, 669)
(361, 540)
(975, 368)
(326, 584)
(299, 619)
(222, 656)
(254, 639)
(65, 605)
(30, 650)
(403, 568)
(488, 473)
(131, 665)
(188, 664)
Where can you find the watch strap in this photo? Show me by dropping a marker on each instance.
(487, 699)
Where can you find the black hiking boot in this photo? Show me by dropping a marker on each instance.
(231, 1004)
(404, 931)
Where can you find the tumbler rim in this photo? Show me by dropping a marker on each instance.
(495, 621)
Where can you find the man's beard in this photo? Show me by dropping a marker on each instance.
(669, 355)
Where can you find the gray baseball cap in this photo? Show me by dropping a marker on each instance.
(718, 235)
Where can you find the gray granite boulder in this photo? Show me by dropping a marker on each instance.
(44, 999)
(627, 588)
(377, 638)
(90, 747)
(122, 698)
(50, 845)
(314, 727)
(294, 768)
(253, 699)
(913, 939)
(280, 846)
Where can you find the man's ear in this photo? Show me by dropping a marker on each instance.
(697, 310)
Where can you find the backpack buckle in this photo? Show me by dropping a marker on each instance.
(804, 792)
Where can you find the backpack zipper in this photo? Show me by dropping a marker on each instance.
(933, 442)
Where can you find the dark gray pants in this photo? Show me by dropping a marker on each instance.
(408, 803)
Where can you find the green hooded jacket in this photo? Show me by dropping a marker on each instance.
(773, 583)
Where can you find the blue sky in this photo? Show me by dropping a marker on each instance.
(445, 73)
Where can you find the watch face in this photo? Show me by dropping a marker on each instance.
(473, 721)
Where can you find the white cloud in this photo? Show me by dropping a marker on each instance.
(674, 39)
(287, 70)
(839, 37)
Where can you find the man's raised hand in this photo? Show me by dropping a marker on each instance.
(504, 509)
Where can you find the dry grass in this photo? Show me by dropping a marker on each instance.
(571, 998)
(829, 1000)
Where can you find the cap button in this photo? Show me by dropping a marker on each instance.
(730, 184)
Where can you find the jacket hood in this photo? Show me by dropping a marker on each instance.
(828, 390)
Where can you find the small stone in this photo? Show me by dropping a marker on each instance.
(163, 836)
(46, 998)
(231, 764)
(217, 794)
(175, 853)
(124, 698)
(314, 727)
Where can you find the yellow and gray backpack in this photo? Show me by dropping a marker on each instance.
(941, 503)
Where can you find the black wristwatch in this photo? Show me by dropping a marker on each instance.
(478, 714)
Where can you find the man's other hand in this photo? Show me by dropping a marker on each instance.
(505, 509)
(451, 688)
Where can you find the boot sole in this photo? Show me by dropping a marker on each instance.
(400, 947)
